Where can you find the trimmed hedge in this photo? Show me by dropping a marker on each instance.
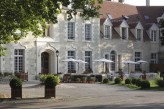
(134, 81)
(138, 82)
(128, 81)
(106, 80)
(160, 83)
(117, 80)
(145, 84)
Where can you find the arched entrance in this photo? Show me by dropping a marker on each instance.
(45, 63)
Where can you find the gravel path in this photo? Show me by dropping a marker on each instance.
(84, 96)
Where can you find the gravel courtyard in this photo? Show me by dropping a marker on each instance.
(82, 96)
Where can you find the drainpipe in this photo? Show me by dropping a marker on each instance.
(147, 2)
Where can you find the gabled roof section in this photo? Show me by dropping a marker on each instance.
(107, 22)
(149, 14)
(115, 35)
(131, 36)
(117, 10)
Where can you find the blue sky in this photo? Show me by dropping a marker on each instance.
(143, 2)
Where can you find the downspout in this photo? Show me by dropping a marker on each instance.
(36, 77)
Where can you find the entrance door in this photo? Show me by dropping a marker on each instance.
(45, 63)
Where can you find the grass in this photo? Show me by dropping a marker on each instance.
(153, 86)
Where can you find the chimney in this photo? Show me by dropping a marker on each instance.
(147, 2)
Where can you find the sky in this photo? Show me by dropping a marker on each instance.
(143, 2)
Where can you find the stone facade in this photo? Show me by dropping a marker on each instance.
(41, 51)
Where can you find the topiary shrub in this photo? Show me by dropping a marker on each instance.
(128, 81)
(51, 81)
(84, 79)
(134, 81)
(16, 83)
(145, 84)
(106, 80)
(117, 81)
(160, 83)
(77, 79)
(138, 82)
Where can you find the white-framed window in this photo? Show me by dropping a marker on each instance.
(18, 60)
(137, 58)
(139, 35)
(88, 32)
(113, 58)
(153, 58)
(71, 65)
(88, 59)
(107, 31)
(106, 64)
(153, 35)
(71, 30)
(124, 33)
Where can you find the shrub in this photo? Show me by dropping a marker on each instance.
(117, 80)
(1, 74)
(84, 79)
(134, 81)
(51, 81)
(7, 74)
(77, 79)
(15, 83)
(160, 83)
(93, 79)
(138, 82)
(145, 84)
(128, 81)
(106, 80)
(42, 78)
(99, 78)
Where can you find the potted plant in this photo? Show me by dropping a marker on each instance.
(50, 86)
(16, 88)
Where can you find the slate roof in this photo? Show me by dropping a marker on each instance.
(134, 14)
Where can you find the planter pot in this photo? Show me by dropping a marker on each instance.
(16, 93)
(50, 92)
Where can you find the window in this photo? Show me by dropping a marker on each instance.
(107, 31)
(71, 65)
(137, 58)
(124, 33)
(113, 58)
(18, 60)
(139, 34)
(106, 64)
(153, 58)
(153, 35)
(88, 59)
(71, 30)
(88, 32)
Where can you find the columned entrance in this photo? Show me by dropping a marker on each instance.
(45, 63)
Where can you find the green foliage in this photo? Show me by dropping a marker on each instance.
(138, 82)
(117, 80)
(51, 81)
(15, 83)
(77, 79)
(128, 81)
(145, 84)
(160, 83)
(84, 79)
(134, 81)
(106, 80)
(7, 74)
(43, 77)
(93, 79)
(32, 15)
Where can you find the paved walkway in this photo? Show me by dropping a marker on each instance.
(83, 96)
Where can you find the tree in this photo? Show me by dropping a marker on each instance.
(32, 15)
(161, 25)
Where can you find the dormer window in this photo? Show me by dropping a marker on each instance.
(153, 35)
(124, 33)
(139, 35)
(107, 32)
